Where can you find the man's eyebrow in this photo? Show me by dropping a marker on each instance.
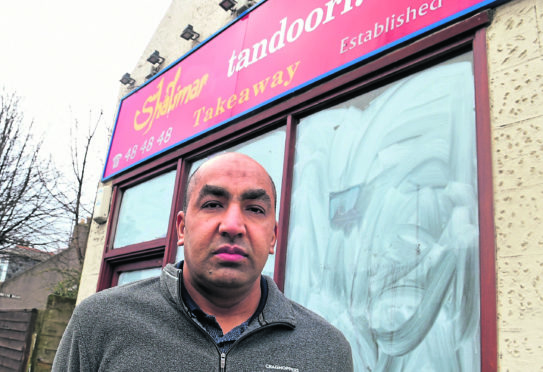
(221, 192)
(213, 191)
(256, 194)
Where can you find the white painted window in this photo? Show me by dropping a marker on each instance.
(4, 263)
(383, 235)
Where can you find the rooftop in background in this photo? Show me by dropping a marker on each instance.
(32, 253)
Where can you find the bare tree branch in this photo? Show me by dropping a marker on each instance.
(71, 198)
(28, 211)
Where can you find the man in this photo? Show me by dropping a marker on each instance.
(214, 311)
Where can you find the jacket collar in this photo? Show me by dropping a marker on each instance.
(278, 308)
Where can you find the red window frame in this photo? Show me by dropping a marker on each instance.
(136, 265)
(466, 35)
(114, 260)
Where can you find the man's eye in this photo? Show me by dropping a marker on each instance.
(256, 209)
(211, 205)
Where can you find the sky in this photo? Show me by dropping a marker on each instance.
(64, 59)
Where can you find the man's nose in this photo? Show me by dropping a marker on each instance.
(232, 223)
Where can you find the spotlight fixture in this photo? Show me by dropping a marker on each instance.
(228, 4)
(241, 9)
(154, 70)
(189, 33)
(127, 80)
(155, 58)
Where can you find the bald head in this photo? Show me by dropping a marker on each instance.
(216, 161)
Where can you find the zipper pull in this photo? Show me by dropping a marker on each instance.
(223, 361)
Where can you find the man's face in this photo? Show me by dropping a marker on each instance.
(229, 226)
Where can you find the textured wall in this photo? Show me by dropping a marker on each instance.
(93, 255)
(515, 53)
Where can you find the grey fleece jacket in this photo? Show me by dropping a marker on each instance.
(145, 326)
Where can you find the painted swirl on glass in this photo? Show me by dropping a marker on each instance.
(384, 237)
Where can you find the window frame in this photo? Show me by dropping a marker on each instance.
(468, 34)
(136, 265)
(114, 259)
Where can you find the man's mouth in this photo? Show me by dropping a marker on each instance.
(230, 253)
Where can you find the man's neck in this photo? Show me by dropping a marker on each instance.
(229, 307)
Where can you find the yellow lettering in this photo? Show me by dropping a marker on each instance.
(170, 90)
(291, 70)
(204, 114)
(181, 95)
(193, 91)
(197, 113)
(209, 114)
(146, 110)
(277, 79)
(149, 122)
(156, 106)
(260, 87)
(244, 95)
(232, 101)
(203, 82)
(220, 106)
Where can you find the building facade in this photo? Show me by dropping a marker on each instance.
(17, 259)
(409, 178)
(31, 287)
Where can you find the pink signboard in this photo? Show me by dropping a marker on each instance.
(273, 50)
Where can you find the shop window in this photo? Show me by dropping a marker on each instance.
(145, 211)
(383, 234)
(268, 150)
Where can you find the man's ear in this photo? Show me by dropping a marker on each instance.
(180, 223)
(274, 239)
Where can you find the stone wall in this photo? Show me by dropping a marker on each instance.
(49, 330)
(515, 57)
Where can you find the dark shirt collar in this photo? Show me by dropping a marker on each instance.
(208, 322)
(195, 309)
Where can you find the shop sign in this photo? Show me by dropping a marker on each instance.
(272, 51)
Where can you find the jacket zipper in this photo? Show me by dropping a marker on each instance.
(244, 335)
(222, 366)
(223, 362)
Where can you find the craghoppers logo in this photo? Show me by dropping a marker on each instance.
(282, 368)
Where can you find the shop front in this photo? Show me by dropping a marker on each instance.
(374, 122)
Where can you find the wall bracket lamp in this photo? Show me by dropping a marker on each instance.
(154, 70)
(155, 58)
(228, 5)
(189, 33)
(127, 80)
